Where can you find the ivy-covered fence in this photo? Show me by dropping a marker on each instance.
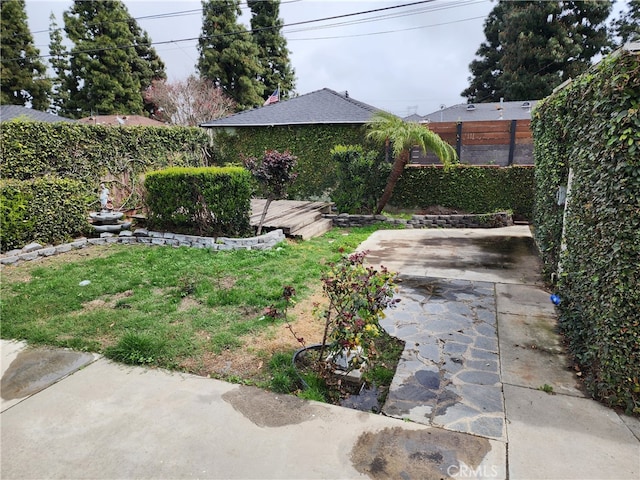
(58, 153)
(94, 153)
(589, 132)
(312, 145)
(472, 189)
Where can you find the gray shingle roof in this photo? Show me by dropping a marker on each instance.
(470, 112)
(320, 107)
(11, 112)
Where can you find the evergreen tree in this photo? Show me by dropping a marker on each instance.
(228, 54)
(533, 46)
(22, 73)
(266, 29)
(59, 61)
(110, 62)
(627, 27)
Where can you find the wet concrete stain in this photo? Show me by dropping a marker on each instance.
(265, 409)
(35, 369)
(367, 400)
(491, 253)
(416, 454)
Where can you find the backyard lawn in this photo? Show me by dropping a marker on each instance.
(183, 309)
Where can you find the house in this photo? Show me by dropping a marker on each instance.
(18, 112)
(308, 126)
(121, 120)
(482, 112)
(323, 106)
(496, 133)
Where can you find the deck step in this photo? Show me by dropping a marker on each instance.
(291, 216)
(315, 229)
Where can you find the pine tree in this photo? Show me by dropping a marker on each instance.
(627, 26)
(110, 61)
(59, 61)
(266, 29)
(22, 73)
(228, 54)
(533, 46)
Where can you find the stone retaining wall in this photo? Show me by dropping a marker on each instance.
(142, 236)
(491, 220)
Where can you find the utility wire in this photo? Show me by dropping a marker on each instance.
(304, 22)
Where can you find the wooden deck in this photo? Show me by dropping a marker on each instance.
(297, 219)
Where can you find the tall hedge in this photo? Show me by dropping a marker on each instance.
(312, 145)
(88, 152)
(473, 189)
(592, 127)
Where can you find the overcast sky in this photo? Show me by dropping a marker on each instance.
(404, 60)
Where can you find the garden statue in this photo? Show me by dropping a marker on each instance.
(104, 197)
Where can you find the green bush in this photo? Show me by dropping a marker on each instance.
(361, 178)
(46, 210)
(209, 201)
(472, 189)
(592, 127)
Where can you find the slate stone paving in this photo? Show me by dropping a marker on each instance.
(449, 373)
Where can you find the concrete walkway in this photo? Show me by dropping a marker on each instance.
(465, 401)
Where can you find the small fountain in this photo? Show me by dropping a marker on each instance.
(106, 220)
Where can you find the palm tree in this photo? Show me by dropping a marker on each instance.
(385, 128)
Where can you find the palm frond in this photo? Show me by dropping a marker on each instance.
(402, 136)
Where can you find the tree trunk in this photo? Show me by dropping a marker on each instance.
(398, 166)
(264, 214)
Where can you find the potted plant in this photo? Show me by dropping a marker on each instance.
(357, 298)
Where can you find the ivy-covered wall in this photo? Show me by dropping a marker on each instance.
(312, 145)
(40, 159)
(592, 128)
(473, 189)
(91, 153)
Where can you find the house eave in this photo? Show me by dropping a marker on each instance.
(281, 124)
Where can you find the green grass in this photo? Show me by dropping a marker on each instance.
(160, 306)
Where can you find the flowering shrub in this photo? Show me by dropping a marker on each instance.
(358, 296)
(274, 174)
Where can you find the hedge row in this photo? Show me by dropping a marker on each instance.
(46, 210)
(216, 201)
(469, 188)
(592, 129)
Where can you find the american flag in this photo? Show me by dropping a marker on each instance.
(274, 97)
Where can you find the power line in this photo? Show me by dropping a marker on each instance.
(387, 31)
(304, 22)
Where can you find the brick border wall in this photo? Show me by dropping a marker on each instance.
(34, 251)
(492, 220)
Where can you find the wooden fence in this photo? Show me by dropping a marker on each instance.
(495, 142)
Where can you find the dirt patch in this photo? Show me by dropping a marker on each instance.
(249, 361)
(187, 303)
